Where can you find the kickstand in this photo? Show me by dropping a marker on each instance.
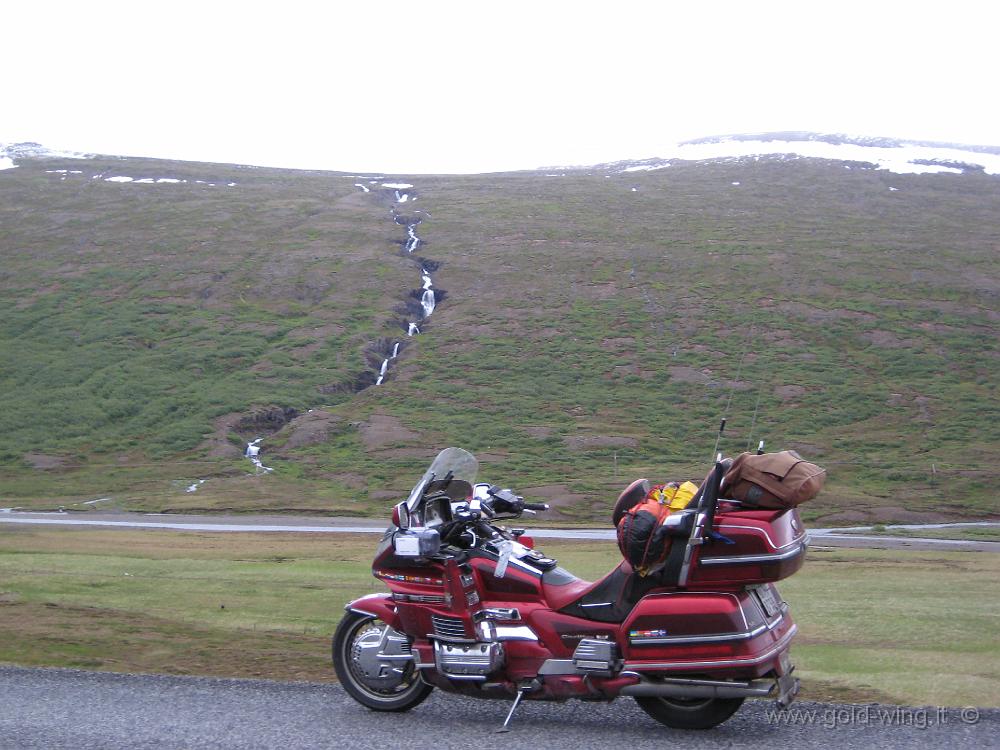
(517, 701)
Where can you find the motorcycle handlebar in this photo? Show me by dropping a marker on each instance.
(536, 506)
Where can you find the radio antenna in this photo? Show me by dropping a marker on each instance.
(753, 421)
(716, 456)
(729, 401)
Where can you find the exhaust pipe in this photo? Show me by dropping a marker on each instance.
(681, 688)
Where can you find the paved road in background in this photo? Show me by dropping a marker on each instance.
(54, 709)
(334, 524)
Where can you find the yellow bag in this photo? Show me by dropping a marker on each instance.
(675, 494)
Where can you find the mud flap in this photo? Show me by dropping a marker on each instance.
(788, 688)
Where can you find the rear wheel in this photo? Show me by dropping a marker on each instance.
(370, 659)
(690, 713)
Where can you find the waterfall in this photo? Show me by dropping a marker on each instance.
(253, 453)
(413, 241)
(427, 302)
(428, 299)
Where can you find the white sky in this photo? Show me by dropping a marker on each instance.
(427, 86)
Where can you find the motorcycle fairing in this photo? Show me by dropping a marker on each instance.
(377, 605)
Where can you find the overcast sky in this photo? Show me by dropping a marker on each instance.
(426, 86)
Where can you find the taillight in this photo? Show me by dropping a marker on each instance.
(401, 516)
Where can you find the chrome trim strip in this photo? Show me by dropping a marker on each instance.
(714, 638)
(599, 604)
(514, 633)
(769, 654)
(747, 559)
(761, 531)
(496, 613)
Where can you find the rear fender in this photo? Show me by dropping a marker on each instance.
(377, 605)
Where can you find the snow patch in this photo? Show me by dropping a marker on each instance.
(901, 159)
(363, 187)
(397, 185)
(118, 179)
(7, 163)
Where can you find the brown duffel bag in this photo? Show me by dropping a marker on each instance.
(772, 480)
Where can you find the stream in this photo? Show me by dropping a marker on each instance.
(428, 297)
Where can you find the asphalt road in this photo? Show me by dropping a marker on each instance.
(55, 708)
(334, 524)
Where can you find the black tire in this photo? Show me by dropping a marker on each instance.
(409, 693)
(684, 713)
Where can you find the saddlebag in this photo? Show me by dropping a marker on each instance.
(772, 480)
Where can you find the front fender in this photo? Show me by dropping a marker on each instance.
(377, 605)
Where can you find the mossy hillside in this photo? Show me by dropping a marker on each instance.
(590, 333)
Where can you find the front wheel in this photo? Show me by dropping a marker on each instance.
(683, 713)
(373, 664)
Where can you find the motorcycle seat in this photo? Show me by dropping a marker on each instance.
(609, 599)
(560, 587)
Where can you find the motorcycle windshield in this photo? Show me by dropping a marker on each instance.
(462, 465)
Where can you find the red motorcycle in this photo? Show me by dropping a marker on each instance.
(475, 610)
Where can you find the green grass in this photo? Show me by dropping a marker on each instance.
(916, 626)
(141, 322)
(908, 627)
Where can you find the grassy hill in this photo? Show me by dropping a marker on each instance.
(594, 327)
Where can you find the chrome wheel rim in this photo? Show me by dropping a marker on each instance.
(379, 677)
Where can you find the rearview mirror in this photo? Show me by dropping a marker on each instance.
(401, 516)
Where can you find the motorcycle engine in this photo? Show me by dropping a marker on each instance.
(468, 661)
